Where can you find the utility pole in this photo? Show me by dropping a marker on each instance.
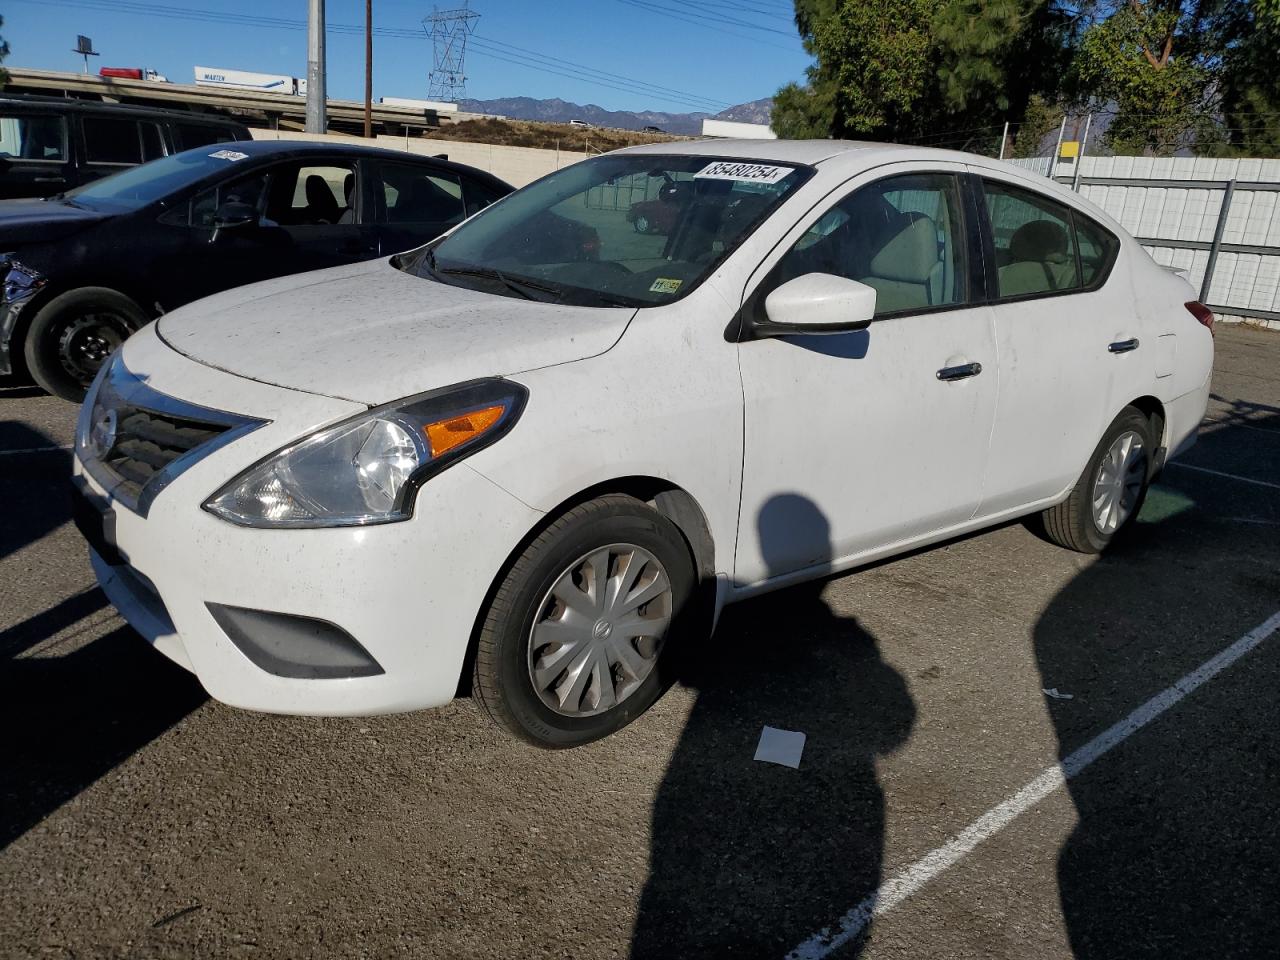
(317, 122)
(368, 68)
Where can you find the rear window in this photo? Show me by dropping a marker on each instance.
(33, 138)
(190, 135)
(112, 140)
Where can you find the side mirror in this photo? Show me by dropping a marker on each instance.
(234, 215)
(817, 303)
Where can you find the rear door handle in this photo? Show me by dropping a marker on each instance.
(960, 372)
(1124, 346)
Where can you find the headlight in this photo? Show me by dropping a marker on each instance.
(366, 470)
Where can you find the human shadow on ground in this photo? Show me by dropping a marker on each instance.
(74, 710)
(1176, 852)
(748, 858)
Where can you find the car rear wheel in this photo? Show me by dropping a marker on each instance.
(73, 334)
(1110, 492)
(574, 644)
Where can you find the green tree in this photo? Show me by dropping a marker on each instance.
(1251, 85)
(4, 52)
(906, 69)
(1159, 64)
(1038, 120)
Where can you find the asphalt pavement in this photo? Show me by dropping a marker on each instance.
(945, 805)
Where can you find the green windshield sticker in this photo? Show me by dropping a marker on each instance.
(663, 285)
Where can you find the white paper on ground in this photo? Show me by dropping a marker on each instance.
(783, 747)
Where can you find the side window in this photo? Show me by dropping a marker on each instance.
(478, 196)
(1097, 249)
(112, 140)
(1034, 242)
(190, 135)
(319, 194)
(904, 236)
(199, 212)
(412, 195)
(33, 138)
(152, 143)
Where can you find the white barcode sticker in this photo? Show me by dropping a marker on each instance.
(751, 172)
(228, 155)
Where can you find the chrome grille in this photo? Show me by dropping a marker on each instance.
(135, 440)
(148, 441)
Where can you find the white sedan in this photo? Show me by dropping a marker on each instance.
(537, 457)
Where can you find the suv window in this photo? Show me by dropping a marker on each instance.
(33, 138)
(1034, 241)
(413, 195)
(904, 236)
(189, 135)
(112, 140)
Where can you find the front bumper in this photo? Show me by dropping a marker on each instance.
(408, 593)
(18, 286)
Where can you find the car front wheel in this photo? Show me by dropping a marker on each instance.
(1110, 493)
(574, 644)
(73, 334)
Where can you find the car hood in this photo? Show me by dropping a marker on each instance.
(372, 333)
(37, 221)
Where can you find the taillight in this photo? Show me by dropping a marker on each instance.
(1201, 313)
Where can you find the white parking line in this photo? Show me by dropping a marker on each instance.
(9, 453)
(936, 862)
(1229, 476)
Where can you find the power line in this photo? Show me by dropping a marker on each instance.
(515, 55)
(700, 22)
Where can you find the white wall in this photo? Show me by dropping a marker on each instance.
(516, 165)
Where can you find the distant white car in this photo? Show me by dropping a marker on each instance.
(536, 456)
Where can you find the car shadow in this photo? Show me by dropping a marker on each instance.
(1176, 852)
(72, 707)
(736, 844)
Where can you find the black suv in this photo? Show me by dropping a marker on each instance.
(81, 271)
(48, 144)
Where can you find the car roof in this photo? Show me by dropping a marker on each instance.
(305, 148)
(814, 152)
(68, 104)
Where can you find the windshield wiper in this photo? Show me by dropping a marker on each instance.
(514, 285)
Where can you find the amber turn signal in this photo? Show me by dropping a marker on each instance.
(444, 435)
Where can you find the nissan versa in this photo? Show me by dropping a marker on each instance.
(536, 457)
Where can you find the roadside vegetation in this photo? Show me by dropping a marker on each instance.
(547, 136)
(1159, 76)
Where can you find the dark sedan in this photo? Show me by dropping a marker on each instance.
(85, 269)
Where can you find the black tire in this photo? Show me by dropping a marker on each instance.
(1071, 523)
(502, 681)
(72, 335)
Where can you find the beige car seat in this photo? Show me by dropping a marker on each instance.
(1040, 260)
(907, 272)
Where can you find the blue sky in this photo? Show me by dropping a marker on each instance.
(667, 43)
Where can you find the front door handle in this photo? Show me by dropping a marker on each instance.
(1124, 346)
(961, 372)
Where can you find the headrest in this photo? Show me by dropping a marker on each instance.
(348, 186)
(318, 192)
(912, 254)
(1041, 240)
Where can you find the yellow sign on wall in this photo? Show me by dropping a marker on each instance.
(1070, 148)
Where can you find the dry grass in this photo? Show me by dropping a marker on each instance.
(524, 133)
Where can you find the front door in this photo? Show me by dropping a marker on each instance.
(35, 155)
(857, 441)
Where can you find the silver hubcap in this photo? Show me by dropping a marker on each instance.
(1119, 482)
(599, 630)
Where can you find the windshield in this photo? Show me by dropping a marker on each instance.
(136, 187)
(620, 230)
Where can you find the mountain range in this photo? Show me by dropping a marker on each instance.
(562, 111)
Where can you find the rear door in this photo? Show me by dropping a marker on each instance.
(1066, 362)
(35, 154)
(414, 203)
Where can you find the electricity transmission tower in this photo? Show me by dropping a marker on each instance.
(449, 30)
